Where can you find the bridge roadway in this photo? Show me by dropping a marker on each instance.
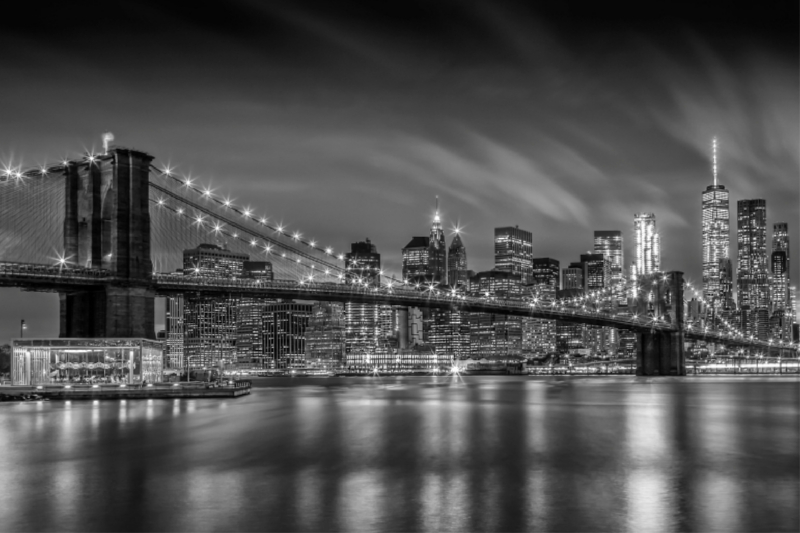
(37, 277)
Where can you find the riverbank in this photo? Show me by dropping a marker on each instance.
(123, 391)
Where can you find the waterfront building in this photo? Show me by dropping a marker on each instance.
(513, 252)
(420, 358)
(753, 270)
(250, 318)
(325, 335)
(457, 272)
(491, 335)
(362, 321)
(210, 322)
(173, 349)
(284, 334)
(716, 238)
(570, 336)
(539, 335)
(437, 250)
(647, 246)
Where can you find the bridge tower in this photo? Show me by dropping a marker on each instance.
(661, 353)
(107, 226)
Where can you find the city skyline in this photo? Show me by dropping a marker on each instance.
(554, 142)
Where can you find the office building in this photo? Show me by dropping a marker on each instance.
(716, 237)
(753, 271)
(780, 293)
(610, 245)
(325, 335)
(539, 335)
(415, 259)
(284, 334)
(513, 252)
(437, 250)
(362, 321)
(647, 246)
(250, 318)
(210, 321)
(457, 272)
(491, 335)
(173, 349)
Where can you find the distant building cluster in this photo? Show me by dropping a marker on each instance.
(250, 332)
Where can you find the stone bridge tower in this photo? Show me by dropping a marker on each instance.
(107, 226)
(661, 353)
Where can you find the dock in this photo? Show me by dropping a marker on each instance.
(117, 391)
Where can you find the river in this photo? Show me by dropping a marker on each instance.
(413, 454)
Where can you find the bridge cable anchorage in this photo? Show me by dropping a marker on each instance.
(208, 194)
(310, 259)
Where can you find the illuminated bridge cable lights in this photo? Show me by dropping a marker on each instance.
(306, 259)
(246, 212)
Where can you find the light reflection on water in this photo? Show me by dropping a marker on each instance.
(501, 454)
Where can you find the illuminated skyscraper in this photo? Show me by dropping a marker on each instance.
(363, 326)
(647, 253)
(609, 243)
(250, 319)
(210, 322)
(437, 250)
(285, 334)
(780, 291)
(539, 335)
(513, 251)
(415, 259)
(457, 273)
(325, 335)
(716, 237)
(752, 269)
(492, 335)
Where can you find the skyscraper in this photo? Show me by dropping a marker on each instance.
(437, 250)
(513, 251)
(457, 273)
(609, 243)
(284, 333)
(415, 259)
(362, 321)
(780, 292)
(716, 237)
(539, 335)
(210, 322)
(752, 270)
(325, 335)
(647, 254)
(492, 335)
(250, 319)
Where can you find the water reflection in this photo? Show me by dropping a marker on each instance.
(599, 454)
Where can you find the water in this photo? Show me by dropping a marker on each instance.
(401, 454)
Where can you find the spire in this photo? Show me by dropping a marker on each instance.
(714, 158)
(436, 217)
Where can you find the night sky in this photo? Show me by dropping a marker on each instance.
(344, 120)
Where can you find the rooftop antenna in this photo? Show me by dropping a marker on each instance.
(714, 156)
(436, 218)
(107, 138)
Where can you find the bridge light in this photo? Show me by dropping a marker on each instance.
(227, 202)
(188, 181)
(296, 235)
(160, 201)
(312, 244)
(166, 171)
(180, 211)
(207, 192)
(65, 162)
(279, 229)
(247, 212)
(328, 251)
(341, 257)
(43, 171)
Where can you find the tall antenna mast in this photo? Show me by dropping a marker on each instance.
(714, 156)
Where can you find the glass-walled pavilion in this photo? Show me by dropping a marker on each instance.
(52, 361)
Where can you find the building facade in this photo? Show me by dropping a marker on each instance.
(647, 246)
(513, 252)
(752, 270)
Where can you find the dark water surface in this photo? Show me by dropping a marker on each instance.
(401, 454)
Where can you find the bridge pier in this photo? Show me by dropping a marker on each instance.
(107, 226)
(660, 352)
